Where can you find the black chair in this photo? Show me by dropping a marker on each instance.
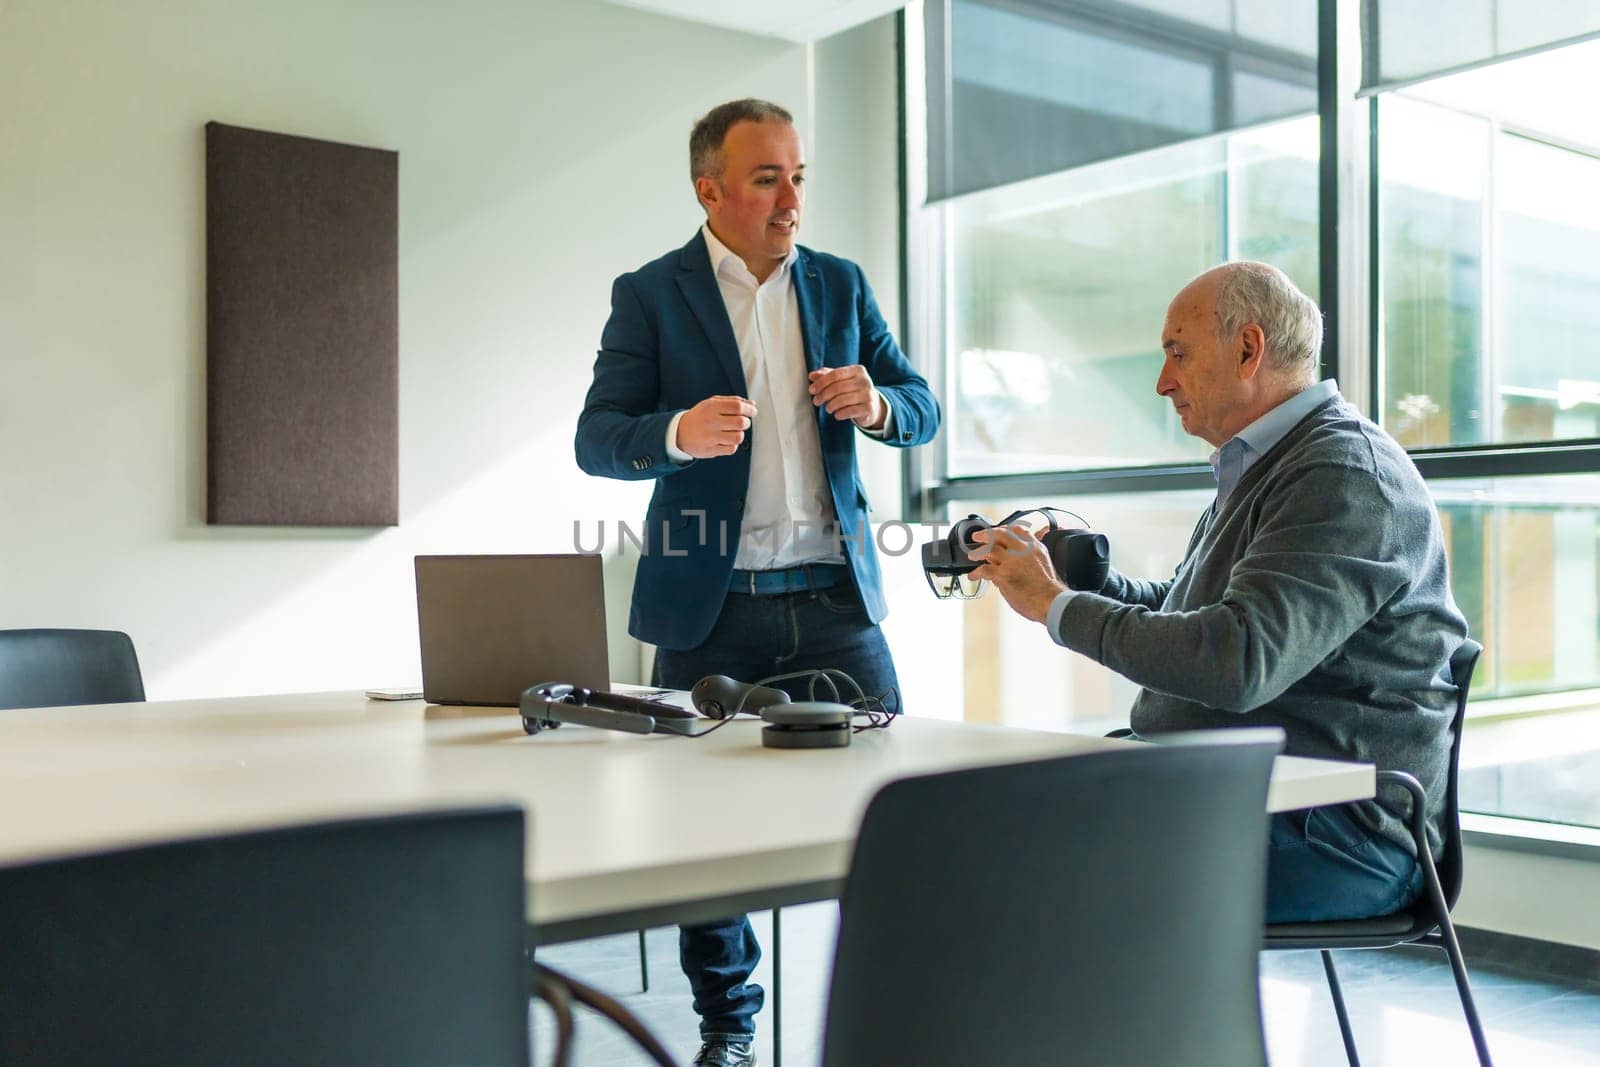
(388, 940)
(1100, 908)
(1427, 922)
(55, 668)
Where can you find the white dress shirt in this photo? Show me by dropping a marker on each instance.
(788, 508)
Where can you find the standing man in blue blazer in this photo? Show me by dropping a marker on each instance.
(738, 371)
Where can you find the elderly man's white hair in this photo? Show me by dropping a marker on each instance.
(1290, 320)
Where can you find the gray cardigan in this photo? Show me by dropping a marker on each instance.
(1315, 598)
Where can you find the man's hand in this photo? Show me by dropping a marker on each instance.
(1018, 565)
(715, 427)
(847, 393)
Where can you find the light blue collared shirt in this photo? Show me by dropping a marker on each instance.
(1242, 451)
(1238, 454)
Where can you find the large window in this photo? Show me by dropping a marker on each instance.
(1017, 89)
(1490, 254)
(1058, 286)
(1083, 159)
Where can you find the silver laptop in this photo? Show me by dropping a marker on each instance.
(493, 625)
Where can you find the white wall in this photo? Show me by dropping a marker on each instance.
(1549, 898)
(854, 197)
(542, 148)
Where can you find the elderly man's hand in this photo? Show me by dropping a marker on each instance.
(1018, 565)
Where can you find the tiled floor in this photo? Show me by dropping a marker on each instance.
(1402, 1003)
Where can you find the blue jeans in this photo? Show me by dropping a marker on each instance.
(1323, 863)
(756, 637)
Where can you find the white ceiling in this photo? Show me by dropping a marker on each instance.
(794, 20)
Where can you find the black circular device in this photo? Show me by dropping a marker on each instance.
(806, 724)
(1081, 558)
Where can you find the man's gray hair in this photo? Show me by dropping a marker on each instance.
(1290, 320)
(705, 140)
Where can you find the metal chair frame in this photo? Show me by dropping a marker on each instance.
(1428, 920)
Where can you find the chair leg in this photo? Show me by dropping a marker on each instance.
(777, 987)
(644, 966)
(1458, 964)
(1338, 1009)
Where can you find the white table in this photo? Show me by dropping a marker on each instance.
(625, 831)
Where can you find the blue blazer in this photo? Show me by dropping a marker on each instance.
(667, 346)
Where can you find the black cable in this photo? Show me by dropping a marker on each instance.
(875, 708)
(624, 1019)
(550, 988)
(1042, 510)
(726, 719)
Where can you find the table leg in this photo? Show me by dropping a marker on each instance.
(777, 987)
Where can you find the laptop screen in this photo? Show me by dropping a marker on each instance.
(490, 626)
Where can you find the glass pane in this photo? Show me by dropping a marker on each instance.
(1274, 213)
(1432, 165)
(1489, 244)
(1549, 286)
(1060, 66)
(1261, 99)
(1214, 14)
(1525, 567)
(1551, 93)
(1291, 26)
(1058, 288)
(1021, 90)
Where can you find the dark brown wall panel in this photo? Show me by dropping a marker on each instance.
(302, 284)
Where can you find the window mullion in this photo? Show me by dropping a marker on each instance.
(1490, 290)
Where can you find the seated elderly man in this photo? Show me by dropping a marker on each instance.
(1313, 596)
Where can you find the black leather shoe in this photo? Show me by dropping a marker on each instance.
(719, 1053)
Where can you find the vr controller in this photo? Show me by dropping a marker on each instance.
(717, 696)
(1081, 558)
(549, 704)
(790, 724)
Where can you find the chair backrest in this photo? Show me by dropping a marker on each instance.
(1462, 663)
(54, 668)
(393, 940)
(1100, 908)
